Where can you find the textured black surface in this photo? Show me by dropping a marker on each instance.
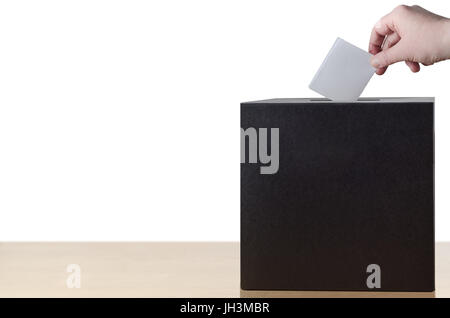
(355, 186)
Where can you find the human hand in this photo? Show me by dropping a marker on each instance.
(410, 34)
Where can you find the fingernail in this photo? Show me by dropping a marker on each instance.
(375, 62)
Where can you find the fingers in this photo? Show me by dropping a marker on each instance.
(388, 56)
(413, 66)
(383, 36)
(389, 41)
(382, 28)
(381, 71)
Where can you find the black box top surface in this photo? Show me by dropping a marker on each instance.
(364, 100)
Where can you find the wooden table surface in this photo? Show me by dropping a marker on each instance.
(149, 269)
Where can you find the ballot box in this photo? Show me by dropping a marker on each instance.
(337, 196)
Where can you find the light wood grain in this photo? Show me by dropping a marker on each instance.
(151, 270)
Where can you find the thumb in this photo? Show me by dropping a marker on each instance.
(388, 56)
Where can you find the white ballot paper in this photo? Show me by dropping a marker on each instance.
(344, 73)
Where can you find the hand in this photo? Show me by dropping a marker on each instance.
(410, 34)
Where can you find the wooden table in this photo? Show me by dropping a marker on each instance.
(152, 269)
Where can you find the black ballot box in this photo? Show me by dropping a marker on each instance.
(337, 196)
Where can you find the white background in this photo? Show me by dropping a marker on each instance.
(119, 119)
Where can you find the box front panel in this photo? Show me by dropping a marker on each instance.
(354, 187)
